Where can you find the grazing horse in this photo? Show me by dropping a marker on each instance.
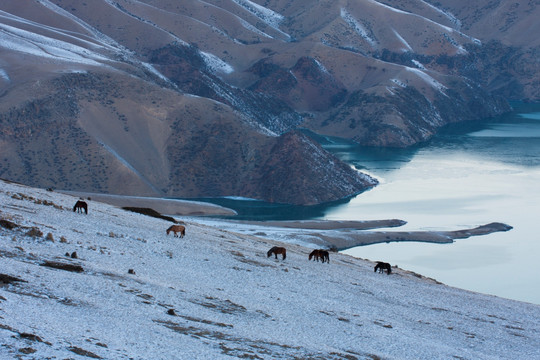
(320, 253)
(325, 256)
(177, 229)
(80, 206)
(381, 266)
(277, 250)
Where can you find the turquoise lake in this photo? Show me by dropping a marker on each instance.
(469, 175)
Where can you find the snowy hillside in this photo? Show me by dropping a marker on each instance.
(214, 294)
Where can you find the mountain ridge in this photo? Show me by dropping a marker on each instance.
(380, 73)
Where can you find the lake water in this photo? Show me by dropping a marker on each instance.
(465, 177)
(469, 175)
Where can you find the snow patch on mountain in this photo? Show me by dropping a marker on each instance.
(216, 64)
(445, 13)
(428, 79)
(388, 7)
(321, 67)
(268, 16)
(403, 41)
(4, 75)
(357, 27)
(23, 41)
(399, 82)
(252, 28)
(418, 64)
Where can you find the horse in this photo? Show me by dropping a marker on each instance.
(381, 266)
(277, 250)
(325, 256)
(80, 206)
(177, 229)
(320, 253)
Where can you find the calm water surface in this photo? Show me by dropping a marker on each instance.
(465, 177)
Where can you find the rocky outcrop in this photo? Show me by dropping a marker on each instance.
(299, 168)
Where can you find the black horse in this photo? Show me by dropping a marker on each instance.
(381, 266)
(80, 206)
(277, 250)
(320, 253)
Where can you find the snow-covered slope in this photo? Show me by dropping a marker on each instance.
(214, 294)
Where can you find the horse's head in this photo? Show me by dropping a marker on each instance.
(269, 253)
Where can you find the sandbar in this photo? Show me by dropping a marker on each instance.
(162, 205)
(332, 234)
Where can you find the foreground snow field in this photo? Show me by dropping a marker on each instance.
(214, 294)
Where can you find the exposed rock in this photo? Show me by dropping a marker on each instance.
(63, 266)
(6, 224)
(8, 279)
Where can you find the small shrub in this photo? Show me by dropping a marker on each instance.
(34, 232)
(50, 237)
(8, 224)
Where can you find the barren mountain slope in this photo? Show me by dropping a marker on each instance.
(124, 80)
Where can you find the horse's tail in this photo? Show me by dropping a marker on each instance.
(284, 254)
(183, 231)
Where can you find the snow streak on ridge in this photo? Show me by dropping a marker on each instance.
(358, 28)
(403, 41)
(38, 45)
(427, 78)
(215, 63)
(448, 15)
(269, 17)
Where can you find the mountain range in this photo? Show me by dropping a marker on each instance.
(211, 98)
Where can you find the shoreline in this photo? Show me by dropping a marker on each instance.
(162, 205)
(332, 234)
(338, 235)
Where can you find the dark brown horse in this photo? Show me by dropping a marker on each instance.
(177, 229)
(277, 250)
(80, 206)
(320, 254)
(381, 266)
